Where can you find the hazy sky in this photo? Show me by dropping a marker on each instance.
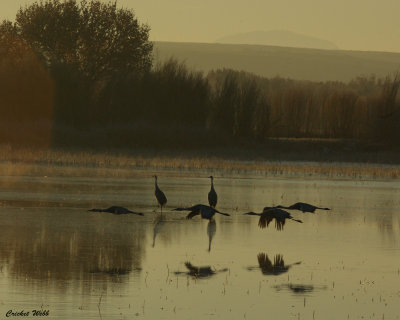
(350, 24)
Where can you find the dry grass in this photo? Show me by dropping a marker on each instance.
(50, 162)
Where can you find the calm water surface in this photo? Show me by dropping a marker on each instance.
(338, 264)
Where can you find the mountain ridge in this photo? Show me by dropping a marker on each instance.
(281, 38)
(272, 61)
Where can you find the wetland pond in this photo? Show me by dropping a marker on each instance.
(337, 264)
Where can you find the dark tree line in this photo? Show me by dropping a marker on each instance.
(81, 73)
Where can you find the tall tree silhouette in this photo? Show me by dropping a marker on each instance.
(99, 38)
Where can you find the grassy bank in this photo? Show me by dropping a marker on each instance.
(330, 163)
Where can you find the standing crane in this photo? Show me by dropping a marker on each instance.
(212, 195)
(160, 196)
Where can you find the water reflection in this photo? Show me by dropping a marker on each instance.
(112, 271)
(53, 245)
(272, 269)
(299, 288)
(159, 222)
(200, 272)
(211, 230)
(93, 251)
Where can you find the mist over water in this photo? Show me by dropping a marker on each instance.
(77, 264)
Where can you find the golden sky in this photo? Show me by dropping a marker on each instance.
(350, 24)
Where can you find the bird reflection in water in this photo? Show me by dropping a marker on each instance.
(200, 272)
(295, 288)
(211, 229)
(159, 222)
(270, 214)
(272, 269)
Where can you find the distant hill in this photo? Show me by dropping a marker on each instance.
(271, 61)
(280, 38)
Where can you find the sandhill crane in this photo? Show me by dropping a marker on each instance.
(270, 213)
(212, 195)
(160, 196)
(206, 212)
(269, 268)
(279, 213)
(304, 207)
(116, 210)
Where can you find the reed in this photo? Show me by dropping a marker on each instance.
(50, 162)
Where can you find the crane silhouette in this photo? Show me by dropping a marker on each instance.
(205, 211)
(116, 210)
(270, 213)
(160, 196)
(212, 195)
(304, 207)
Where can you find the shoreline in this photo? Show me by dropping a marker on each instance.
(26, 161)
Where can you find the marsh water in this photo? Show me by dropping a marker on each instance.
(337, 264)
